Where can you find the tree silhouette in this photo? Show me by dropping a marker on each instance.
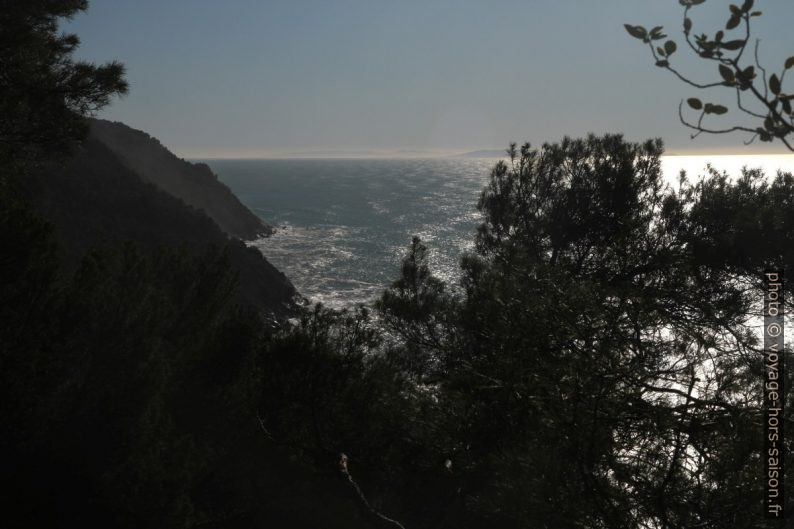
(599, 368)
(760, 95)
(45, 94)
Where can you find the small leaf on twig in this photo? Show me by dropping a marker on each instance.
(727, 74)
(638, 32)
(749, 73)
(732, 45)
(774, 84)
(711, 108)
(657, 33)
(695, 103)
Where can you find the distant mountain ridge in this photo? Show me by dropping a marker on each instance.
(483, 153)
(193, 183)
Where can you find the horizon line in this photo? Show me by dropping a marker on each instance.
(427, 156)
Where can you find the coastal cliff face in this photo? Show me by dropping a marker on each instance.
(96, 197)
(193, 183)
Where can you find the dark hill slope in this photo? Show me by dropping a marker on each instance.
(194, 184)
(95, 197)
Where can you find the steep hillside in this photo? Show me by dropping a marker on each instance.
(96, 197)
(194, 184)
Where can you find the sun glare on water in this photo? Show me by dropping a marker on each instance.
(695, 165)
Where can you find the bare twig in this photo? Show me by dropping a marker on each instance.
(363, 499)
(343, 469)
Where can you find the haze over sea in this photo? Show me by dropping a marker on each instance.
(344, 224)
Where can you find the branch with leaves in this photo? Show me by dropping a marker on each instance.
(771, 118)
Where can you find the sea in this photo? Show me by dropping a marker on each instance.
(344, 225)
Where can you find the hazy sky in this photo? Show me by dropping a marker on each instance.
(265, 78)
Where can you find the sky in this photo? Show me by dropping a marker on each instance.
(254, 78)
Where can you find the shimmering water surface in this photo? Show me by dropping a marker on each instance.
(344, 224)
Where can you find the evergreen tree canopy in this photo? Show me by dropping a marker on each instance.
(600, 367)
(45, 94)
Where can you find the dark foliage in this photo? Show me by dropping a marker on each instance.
(44, 93)
(597, 366)
(600, 367)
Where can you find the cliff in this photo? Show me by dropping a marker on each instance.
(96, 197)
(195, 184)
